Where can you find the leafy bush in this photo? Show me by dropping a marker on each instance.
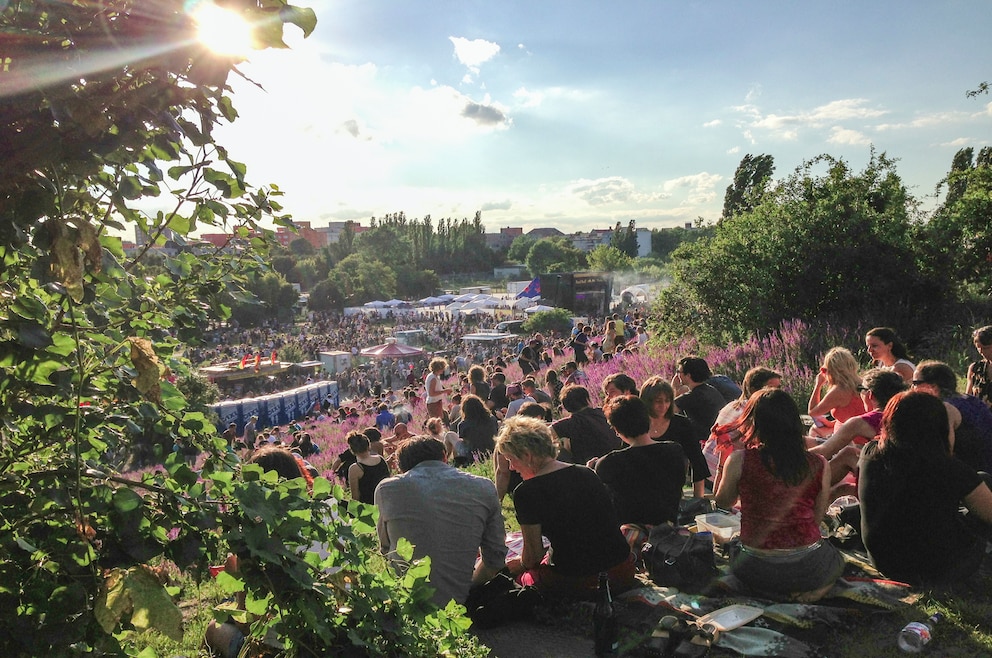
(558, 319)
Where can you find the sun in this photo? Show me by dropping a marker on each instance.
(222, 30)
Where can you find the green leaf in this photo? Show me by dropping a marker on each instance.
(127, 500)
(179, 224)
(153, 608)
(229, 583)
(301, 17)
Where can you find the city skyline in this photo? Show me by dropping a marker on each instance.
(579, 115)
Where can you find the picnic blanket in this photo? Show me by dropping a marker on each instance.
(787, 630)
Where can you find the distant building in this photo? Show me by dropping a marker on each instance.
(286, 235)
(549, 232)
(141, 237)
(332, 232)
(597, 237)
(504, 238)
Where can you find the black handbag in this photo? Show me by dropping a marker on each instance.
(501, 600)
(675, 557)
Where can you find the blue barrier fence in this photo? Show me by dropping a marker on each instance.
(276, 409)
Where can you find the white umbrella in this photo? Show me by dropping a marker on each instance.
(538, 308)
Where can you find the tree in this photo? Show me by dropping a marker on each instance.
(749, 186)
(520, 247)
(834, 245)
(274, 299)
(90, 347)
(361, 280)
(555, 254)
(326, 296)
(558, 319)
(609, 259)
(625, 240)
(958, 236)
(301, 247)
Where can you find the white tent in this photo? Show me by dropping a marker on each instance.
(394, 303)
(454, 307)
(375, 304)
(538, 308)
(431, 301)
(467, 297)
(523, 302)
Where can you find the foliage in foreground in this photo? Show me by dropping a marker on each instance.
(91, 338)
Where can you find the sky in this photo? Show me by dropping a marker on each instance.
(581, 114)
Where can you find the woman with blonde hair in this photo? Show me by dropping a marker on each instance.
(568, 504)
(839, 373)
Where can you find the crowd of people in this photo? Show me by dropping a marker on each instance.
(587, 483)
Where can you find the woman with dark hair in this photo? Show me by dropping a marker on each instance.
(911, 489)
(887, 351)
(554, 385)
(585, 434)
(477, 384)
(618, 384)
(478, 427)
(784, 493)
(657, 394)
(980, 372)
(368, 470)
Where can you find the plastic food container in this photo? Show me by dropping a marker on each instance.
(723, 526)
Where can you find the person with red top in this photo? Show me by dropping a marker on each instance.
(839, 374)
(843, 448)
(784, 493)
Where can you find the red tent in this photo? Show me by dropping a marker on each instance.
(392, 350)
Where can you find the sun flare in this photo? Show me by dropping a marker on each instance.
(222, 30)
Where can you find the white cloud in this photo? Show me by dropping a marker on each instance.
(930, 120)
(505, 204)
(527, 98)
(840, 135)
(474, 53)
(959, 142)
(611, 190)
(733, 150)
(699, 188)
(787, 126)
(712, 124)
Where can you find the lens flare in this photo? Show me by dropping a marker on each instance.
(222, 30)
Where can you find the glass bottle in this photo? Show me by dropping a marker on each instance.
(604, 618)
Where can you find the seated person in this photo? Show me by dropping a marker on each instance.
(478, 427)
(618, 384)
(368, 470)
(457, 452)
(585, 433)
(839, 374)
(570, 506)
(644, 479)
(784, 493)
(843, 448)
(446, 514)
(724, 436)
(911, 489)
(506, 479)
(971, 419)
(666, 425)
